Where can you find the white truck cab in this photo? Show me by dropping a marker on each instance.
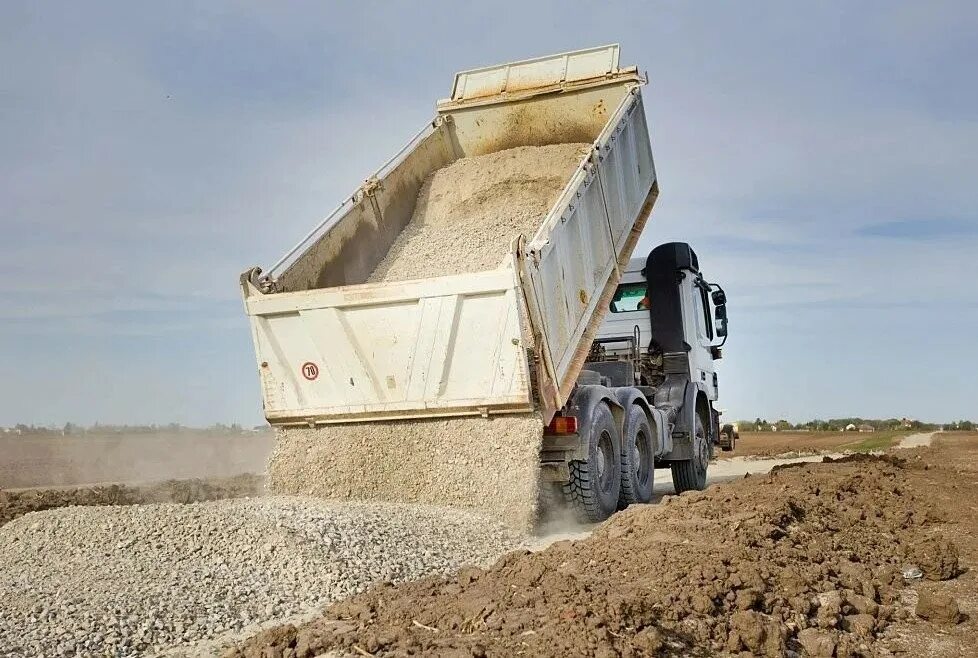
(653, 362)
(703, 327)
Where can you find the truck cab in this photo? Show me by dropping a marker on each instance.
(652, 366)
(683, 318)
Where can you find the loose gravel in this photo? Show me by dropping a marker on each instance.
(124, 581)
(490, 465)
(468, 212)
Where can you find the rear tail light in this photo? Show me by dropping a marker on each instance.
(562, 425)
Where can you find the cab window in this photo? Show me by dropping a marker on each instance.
(629, 297)
(702, 303)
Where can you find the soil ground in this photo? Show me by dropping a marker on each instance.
(44, 472)
(52, 461)
(769, 444)
(809, 559)
(17, 502)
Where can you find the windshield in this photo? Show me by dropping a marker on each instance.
(629, 297)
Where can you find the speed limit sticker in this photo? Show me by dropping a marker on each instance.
(310, 370)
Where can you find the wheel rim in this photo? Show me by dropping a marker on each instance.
(642, 458)
(606, 457)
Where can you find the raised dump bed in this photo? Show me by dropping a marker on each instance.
(343, 336)
(331, 347)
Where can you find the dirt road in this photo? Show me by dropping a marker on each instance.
(725, 469)
(771, 444)
(920, 440)
(52, 461)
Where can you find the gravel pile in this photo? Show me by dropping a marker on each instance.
(133, 580)
(468, 212)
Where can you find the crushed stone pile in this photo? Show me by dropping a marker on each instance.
(17, 502)
(468, 212)
(135, 580)
(807, 560)
(485, 464)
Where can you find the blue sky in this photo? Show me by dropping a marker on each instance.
(821, 157)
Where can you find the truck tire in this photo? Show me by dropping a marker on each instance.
(637, 459)
(595, 484)
(690, 474)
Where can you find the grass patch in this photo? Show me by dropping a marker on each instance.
(876, 441)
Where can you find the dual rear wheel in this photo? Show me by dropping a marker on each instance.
(619, 470)
(620, 465)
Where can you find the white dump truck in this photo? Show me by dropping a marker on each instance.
(525, 337)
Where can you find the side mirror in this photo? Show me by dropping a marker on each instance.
(721, 319)
(719, 297)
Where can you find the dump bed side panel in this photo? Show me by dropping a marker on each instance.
(449, 346)
(352, 245)
(572, 266)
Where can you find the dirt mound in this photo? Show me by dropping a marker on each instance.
(468, 212)
(938, 608)
(17, 502)
(806, 557)
(936, 558)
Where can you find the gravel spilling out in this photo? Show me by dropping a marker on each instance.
(466, 216)
(468, 212)
(486, 464)
(134, 580)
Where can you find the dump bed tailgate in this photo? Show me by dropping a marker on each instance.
(450, 346)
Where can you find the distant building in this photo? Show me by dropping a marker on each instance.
(851, 427)
(866, 427)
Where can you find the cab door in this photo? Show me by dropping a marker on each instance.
(701, 335)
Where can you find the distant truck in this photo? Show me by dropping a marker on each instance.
(729, 435)
(618, 398)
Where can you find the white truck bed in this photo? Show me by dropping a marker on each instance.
(331, 348)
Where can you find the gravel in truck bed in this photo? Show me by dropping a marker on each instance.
(468, 212)
(136, 580)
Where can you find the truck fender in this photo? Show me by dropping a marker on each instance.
(664, 444)
(629, 395)
(582, 405)
(684, 420)
(686, 415)
(711, 419)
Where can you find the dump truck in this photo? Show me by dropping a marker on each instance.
(440, 389)
(729, 435)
